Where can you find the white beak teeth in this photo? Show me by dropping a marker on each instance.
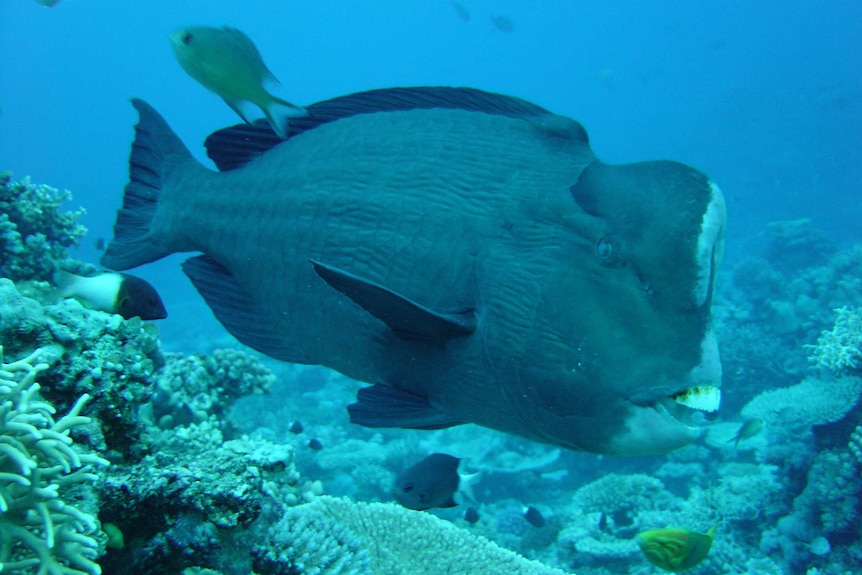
(702, 398)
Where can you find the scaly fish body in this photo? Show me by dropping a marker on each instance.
(445, 255)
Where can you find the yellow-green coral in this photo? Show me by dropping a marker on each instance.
(40, 533)
(840, 349)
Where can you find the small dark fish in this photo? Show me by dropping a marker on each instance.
(534, 517)
(113, 292)
(296, 427)
(430, 483)
(99, 244)
(503, 23)
(471, 516)
(747, 430)
(603, 522)
(315, 444)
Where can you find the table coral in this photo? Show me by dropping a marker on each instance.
(812, 402)
(341, 537)
(40, 530)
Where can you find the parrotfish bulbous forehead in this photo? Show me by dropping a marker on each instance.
(465, 253)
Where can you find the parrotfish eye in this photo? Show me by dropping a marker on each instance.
(609, 250)
(187, 38)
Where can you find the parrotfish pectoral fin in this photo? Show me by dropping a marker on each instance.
(384, 406)
(406, 318)
(234, 307)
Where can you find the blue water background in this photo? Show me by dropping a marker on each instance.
(764, 96)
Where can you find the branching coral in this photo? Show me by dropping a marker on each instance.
(39, 531)
(840, 349)
(34, 233)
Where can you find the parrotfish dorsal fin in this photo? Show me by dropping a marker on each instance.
(406, 318)
(235, 308)
(235, 146)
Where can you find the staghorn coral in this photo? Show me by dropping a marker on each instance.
(34, 233)
(382, 538)
(41, 532)
(839, 350)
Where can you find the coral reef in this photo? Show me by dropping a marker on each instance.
(42, 474)
(195, 388)
(811, 402)
(339, 536)
(839, 350)
(109, 358)
(34, 233)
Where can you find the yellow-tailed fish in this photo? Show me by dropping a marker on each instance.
(675, 550)
(226, 61)
(749, 428)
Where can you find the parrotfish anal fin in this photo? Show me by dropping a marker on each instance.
(235, 146)
(384, 406)
(406, 318)
(234, 308)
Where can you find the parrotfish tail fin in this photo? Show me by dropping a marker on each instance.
(279, 112)
(156, 152)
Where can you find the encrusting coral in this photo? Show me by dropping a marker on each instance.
(40, 530)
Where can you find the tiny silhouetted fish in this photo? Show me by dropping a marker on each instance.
(430, 483)
(471, 516)
(747, 430)
(503, 23)
(603, 522)
(534, 517)
(296, 427)
(99, 244)
(462, 11)
(315, 444)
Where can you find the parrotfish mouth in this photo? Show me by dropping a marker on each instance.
(659, 425)
(689, 406)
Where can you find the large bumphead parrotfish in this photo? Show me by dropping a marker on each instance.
(465, 253)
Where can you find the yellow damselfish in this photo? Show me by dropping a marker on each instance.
(675, 550)
(226, 61)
